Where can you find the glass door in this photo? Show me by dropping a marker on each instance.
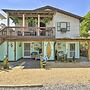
(27, 50)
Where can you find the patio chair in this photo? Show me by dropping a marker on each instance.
(19, 33)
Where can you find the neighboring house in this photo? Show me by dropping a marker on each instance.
(39, 31)
(1, 19)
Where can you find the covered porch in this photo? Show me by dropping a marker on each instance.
(30, 22)
(79, 48)
(18, 48)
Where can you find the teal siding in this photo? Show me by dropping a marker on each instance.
(18, 50)
(11, 51)
(3, 50)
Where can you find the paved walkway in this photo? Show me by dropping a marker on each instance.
(30, 63)
(68, 65)
(26, 63)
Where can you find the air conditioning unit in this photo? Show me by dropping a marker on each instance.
(63, 29)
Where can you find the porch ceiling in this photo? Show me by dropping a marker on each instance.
(29, 13)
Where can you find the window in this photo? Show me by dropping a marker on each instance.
(63, 26)
(72, 47)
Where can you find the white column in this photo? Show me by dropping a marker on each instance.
(23, 20)
(23, 23)
(38, 25)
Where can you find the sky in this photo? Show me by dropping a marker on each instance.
(78, 7)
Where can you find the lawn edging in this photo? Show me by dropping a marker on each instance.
(21, 86)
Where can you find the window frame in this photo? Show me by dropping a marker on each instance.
(59, 26)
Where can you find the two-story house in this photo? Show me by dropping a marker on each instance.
(38, 31)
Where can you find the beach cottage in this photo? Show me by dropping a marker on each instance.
(40, 31)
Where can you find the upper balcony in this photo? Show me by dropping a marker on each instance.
(28, 32)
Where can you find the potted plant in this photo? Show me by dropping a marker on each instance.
(46, 20)
(6, 63)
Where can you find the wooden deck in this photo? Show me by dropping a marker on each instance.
(28, 38)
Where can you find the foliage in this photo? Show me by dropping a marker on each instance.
(46, 20)
(85, 25)
(31, 21)
(6, 63)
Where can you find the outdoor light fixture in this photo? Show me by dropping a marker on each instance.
(11, 45)
(19, 44)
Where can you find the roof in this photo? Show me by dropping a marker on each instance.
(60, 11)
(43, 8)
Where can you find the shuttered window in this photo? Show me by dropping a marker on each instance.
(63, 26)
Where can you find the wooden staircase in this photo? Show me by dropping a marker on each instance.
(2, 38)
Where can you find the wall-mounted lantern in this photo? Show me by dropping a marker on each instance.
(20, 44)
(11, 44)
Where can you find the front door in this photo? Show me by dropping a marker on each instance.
(72, 50)
(26, 50)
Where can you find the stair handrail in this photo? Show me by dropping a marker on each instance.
(3, 28)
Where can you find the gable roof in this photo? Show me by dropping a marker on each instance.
(60, 11)
(44, 8)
